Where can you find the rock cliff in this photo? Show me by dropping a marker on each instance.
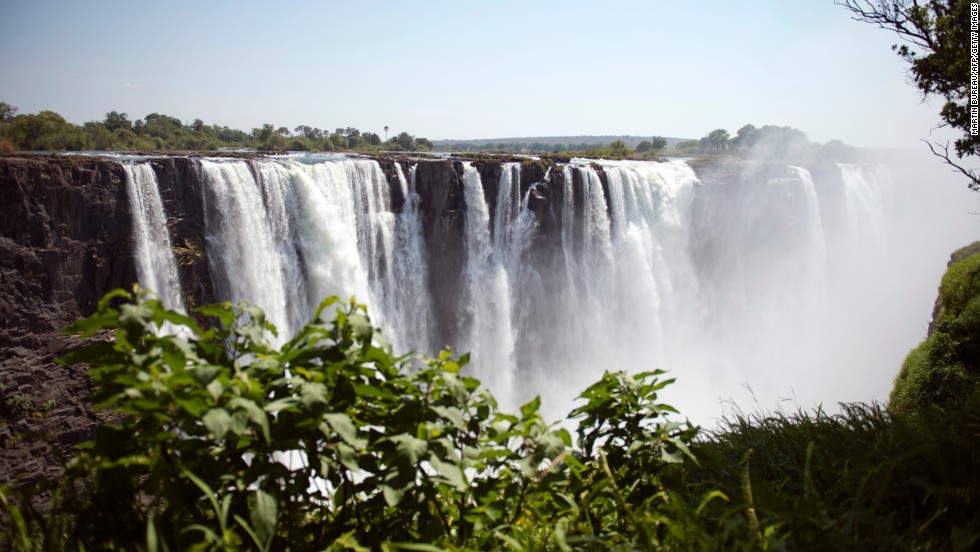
(64, 242)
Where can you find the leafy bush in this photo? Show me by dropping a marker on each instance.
(227, 443)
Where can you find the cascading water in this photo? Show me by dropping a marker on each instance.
(728, 281)
(410, 310)
(155, 264)
(245, 261)
(485, 309)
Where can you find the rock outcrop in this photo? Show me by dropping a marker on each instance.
(64, 242)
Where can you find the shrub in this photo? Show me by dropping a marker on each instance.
(944, 370)
(226, 442)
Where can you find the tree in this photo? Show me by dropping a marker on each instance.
(745, 137)
(619, 148)
(386, 133)
(644, 146)
(716, 141)
(658, 143)
(406, 141)
(936, 45)
(114, 120)
(689, 145)
(423, 144)
(100, 135)
(7, 112)
(263, 134)
(35, 132)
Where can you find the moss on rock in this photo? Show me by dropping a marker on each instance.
(944, 370)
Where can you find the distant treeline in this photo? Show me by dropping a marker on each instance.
(769, 142)
(49, 131)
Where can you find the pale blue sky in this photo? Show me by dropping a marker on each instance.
(467, 69)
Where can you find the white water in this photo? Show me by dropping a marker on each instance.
(155, 264)
(485, 308)
(767, 287)
(410, 309)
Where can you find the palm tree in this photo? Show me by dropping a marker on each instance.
(386, 133)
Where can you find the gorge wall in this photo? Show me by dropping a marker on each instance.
(735, 273)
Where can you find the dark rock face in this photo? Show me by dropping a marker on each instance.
(440, 187)
(64, 242)
(65, 228)
(391, 175)
(183, 200)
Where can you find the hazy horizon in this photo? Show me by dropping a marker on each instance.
(465, 71)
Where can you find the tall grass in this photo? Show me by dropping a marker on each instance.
(863, 479)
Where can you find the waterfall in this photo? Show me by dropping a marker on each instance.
(727, 281)
(243, 256)
(411, 306)
(485, 309)
(155, 264)
(299, 233)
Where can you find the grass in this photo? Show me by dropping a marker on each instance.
(863, 479)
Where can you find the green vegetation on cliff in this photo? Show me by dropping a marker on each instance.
(944, 371)
(49, 131)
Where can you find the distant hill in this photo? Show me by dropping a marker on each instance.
(541, 143)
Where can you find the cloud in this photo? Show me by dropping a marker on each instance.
(131, 85)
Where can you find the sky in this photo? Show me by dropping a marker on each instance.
(468, 70)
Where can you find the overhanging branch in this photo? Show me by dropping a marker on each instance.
(942, 151)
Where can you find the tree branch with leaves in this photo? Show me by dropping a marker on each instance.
(936, 45)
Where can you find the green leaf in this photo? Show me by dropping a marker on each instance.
(529, 409)
(348, 457)
(393, 495)
(361, 326)
(347, 540)
(451, 472)
(452, 414)
(281, 404)
(152, 541)
(195, 406)
(410, 448)
(312, 393)
(96, 353)
(218, 422)
(215, 389)
(264, 515)
(254, 413)
(342, 424)
(675, 457)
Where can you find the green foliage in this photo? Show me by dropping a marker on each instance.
(227, 443)
(20, 404)
(115, 120)
(937, 47)
(715, 142)
(944, 370)
(655, 144)
(859, 480)
(7, 112)
(332, 443)
(48, 130)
